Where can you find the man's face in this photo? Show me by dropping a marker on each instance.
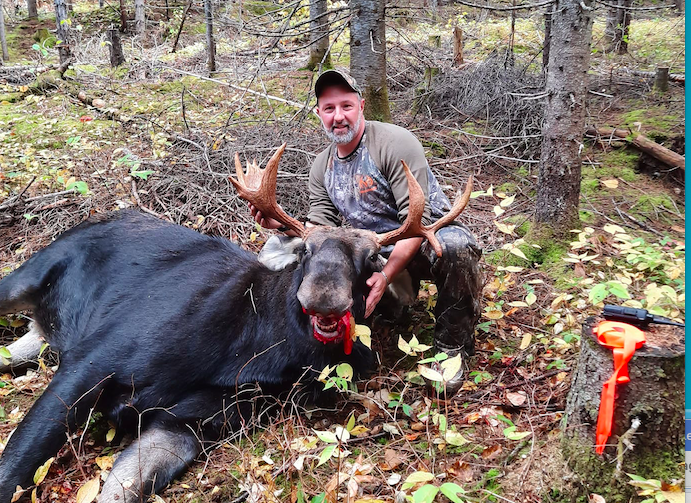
(340, 110)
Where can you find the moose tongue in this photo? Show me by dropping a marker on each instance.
(347, 338)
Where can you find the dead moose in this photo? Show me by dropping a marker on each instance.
(159, 327)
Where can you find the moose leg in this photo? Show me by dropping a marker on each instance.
(65, 404)
(24, 350)
(149, 464)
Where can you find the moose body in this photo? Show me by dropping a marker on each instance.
(158, 327)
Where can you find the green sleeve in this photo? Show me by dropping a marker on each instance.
(394, 143)
(322, 211)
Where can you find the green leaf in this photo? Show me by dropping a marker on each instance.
(619, 290)
(79, 186)
(455, 438)
(351, 422)
(451, 491)
(425, 494)
(416, 478)
(5, 353)
(327, 436)
(512, 434)
(326, 454)
(598, 293)
(345, 371)
(319, 498)
(142, 174)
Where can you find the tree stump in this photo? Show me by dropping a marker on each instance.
(116, 55)
(654, 396)
(457, 46)
(662, 79)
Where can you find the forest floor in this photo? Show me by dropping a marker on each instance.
(163, 139)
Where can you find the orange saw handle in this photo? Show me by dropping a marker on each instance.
(623, 339)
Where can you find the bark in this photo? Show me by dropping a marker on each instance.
(457, 46)
(3, 37)
(644, 144)
(182, 23)
(139, 17)
(545, 44)
(319, 36)
(368, 56)
(559, 178)
(116, 55)
(123, 16)
(662, 79)
(617, 28)
(210, 43)
(63, 31)
(654, 395)
(32, 9)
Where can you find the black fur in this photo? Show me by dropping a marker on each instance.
(154, 319)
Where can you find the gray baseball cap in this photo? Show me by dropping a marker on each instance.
(333, 78)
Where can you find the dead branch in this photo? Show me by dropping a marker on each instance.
(644, 144)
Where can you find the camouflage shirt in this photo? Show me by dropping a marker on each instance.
(369, 188)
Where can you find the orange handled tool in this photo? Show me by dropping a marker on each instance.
(623, 339)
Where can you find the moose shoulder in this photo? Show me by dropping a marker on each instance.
(169, 333)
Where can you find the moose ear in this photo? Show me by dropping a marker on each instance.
(281, 251)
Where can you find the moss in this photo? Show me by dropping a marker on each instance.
(590, 186)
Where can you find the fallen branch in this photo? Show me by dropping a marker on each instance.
(642, 143)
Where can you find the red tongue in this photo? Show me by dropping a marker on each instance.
(347, 339)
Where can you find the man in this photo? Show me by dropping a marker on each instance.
(360, 177)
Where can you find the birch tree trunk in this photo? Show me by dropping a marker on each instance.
(63, 31)
(32, 9)
(210, 43)
(559, 179)
(3, 37)
(368, 56)
(319, 36)
(139, 17)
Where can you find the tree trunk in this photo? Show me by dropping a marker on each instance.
(210, 43)
(63, 31)
(139, 17)
(654, 396)
(662, 79)
(116, 56)
(457, 46)
(368, 56)
(3, 37)
(182, 23)
(319, 36)
(32, 8)
(559, 179)
(123, 16)
(617, 28)
(545, 44)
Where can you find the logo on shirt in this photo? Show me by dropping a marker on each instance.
(365, 183)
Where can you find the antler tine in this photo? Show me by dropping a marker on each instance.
(412, 227)
(258, 187)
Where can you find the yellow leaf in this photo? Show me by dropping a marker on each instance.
(611, 183)
(364, 334)
(253, 236)
(429, 373)
(613, 229)
(451, 366)
(518, 253)
(325, 373)
(42, 471)
(525, 342)
(104, 462)
(110, 435)
(359, 430)
(674, 497)
(505, 228)
(33, 495)
(495, 314)
(507, 202)
(24, 88)
(498, 211)
(88, 492)
(490, 191)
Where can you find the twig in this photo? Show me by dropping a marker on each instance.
(642, 225)
(516, 7)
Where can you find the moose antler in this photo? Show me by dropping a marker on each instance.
(412, 226)
(258, 187)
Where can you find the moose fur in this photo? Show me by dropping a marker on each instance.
(161, 329)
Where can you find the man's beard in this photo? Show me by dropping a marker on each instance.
(346, 137)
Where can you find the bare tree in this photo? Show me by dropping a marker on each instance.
(319, 35)
(210, 43)
(139, 17)
(559, 179)
(123, 16)
(63, 31)
(3, 37)
(617, 28)
(545, 44)
(368, 56)
(32, 9)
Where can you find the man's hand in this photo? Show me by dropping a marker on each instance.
(377, 284)
(266, 223)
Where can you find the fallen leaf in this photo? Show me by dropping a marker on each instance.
(611, 183)
(391, 460)
(491, 452)
(104, 462)
(596, 498)
(525, 342)
(516, 399)
(88, 492)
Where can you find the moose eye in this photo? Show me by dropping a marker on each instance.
(374, 257)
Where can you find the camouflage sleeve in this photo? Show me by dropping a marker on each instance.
(322, 211)
(394, 143)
